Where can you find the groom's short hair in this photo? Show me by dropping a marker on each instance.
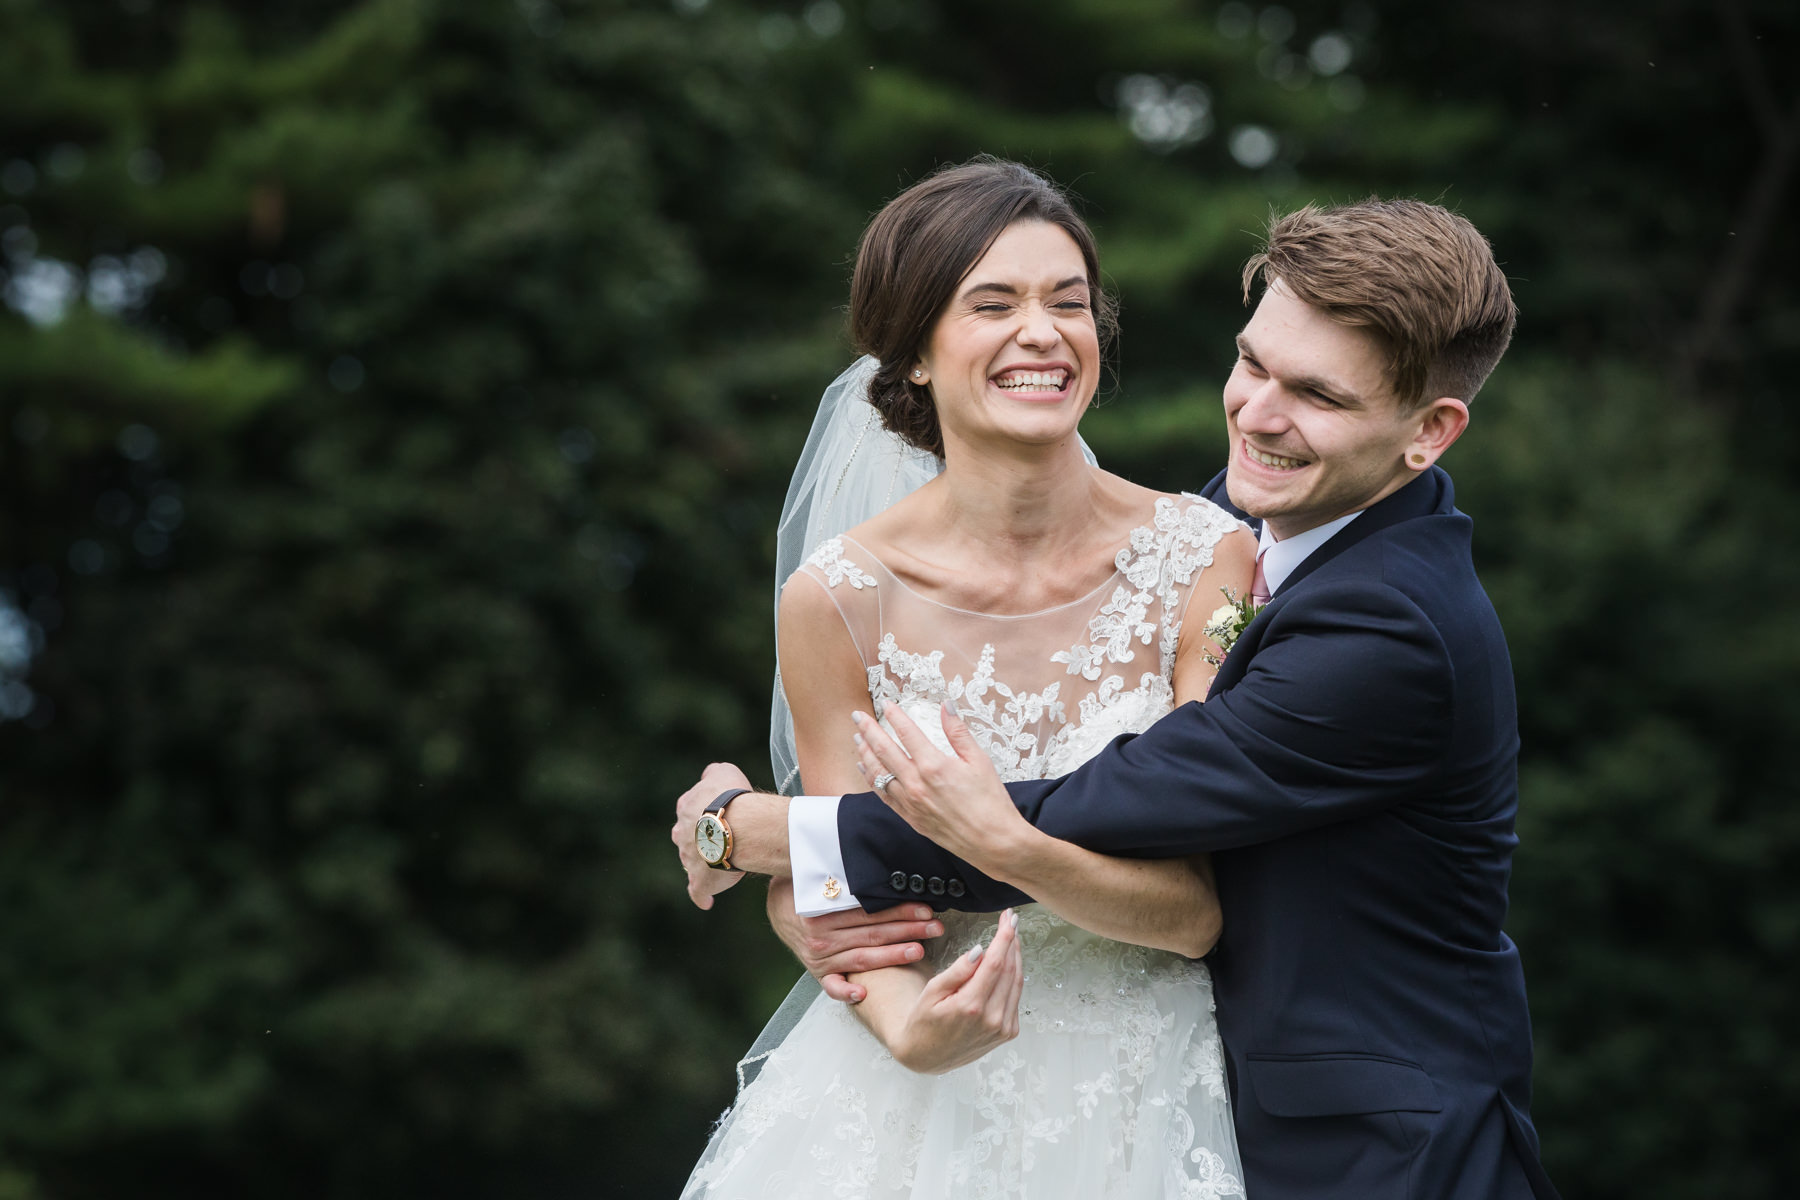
(1418, 276)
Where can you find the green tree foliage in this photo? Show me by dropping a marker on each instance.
(395, 400)
(421, 570)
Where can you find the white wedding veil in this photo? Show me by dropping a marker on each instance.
(851, 468)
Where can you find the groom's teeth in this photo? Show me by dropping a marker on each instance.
(1273, 460)
(1019, 381)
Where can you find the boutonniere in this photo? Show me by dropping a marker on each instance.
(1227, 623)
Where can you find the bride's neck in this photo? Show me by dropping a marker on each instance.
(1022, 505)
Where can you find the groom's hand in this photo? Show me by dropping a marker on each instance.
(955, 800)
(843, 943)
(703, 882)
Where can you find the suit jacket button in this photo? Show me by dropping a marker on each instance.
(897, 881)
(954, 887)
(935, 886)
(916, 884)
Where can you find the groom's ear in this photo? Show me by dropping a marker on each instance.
(1436, 427)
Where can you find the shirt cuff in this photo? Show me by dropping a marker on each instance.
(816, 857)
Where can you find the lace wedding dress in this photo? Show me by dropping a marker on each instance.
(1114, 1088)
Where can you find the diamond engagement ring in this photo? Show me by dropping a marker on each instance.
(880, 782)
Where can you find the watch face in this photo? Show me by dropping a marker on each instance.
(709, 837)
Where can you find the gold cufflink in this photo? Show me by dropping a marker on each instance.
(831, 888)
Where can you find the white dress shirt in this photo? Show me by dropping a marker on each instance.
(817, 858)
(1279, 559)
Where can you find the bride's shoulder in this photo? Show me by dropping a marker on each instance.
(888, 546)
(836, 585)
(1197, 511)
(1190, 531)
(839, 561)
(1164, 511)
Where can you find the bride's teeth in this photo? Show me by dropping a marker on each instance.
(1024, 380)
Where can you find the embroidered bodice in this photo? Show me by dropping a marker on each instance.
(1042, 692)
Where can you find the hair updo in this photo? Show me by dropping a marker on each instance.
(915, 253)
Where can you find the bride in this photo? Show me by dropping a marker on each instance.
(1067, 1049)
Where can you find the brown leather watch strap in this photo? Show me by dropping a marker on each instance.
(726, 798)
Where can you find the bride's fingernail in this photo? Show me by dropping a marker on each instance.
(975, 954)
(857, 738)
(950, 709)
(856, 716)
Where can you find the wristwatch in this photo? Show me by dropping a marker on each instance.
(712, 836)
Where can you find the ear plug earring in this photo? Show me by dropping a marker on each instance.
(1418, 460)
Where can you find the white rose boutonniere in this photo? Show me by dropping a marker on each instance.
(1227, 623)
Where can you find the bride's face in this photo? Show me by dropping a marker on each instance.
(1015, 355)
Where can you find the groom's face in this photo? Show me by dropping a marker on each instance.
(1316, 432)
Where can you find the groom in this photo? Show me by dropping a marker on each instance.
(1353, 771)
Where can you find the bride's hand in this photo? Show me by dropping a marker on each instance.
(956, 800)
(966, 1009)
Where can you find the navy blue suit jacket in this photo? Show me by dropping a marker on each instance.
(1354, 774)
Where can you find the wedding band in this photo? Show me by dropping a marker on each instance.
(882, 780)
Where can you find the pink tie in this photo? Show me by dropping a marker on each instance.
(1259, 584)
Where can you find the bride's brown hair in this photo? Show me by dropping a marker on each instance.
(920, 246)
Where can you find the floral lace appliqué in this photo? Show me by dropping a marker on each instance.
(829, 558)
(1000, 718)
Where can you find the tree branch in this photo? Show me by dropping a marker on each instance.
(1755, 220)
(1750, 69)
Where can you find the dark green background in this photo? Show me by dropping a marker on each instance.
(390, 502)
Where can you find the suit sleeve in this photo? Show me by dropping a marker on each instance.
(1345, 709)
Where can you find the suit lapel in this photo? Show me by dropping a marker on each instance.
(1430, 492)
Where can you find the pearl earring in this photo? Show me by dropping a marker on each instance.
(917, 374)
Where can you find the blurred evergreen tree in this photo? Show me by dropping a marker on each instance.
(395, 402)
(399, 535)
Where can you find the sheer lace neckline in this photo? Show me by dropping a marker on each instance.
(1039, 690)
(914, 592)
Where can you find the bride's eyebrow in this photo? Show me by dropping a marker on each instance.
(1007, 289)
